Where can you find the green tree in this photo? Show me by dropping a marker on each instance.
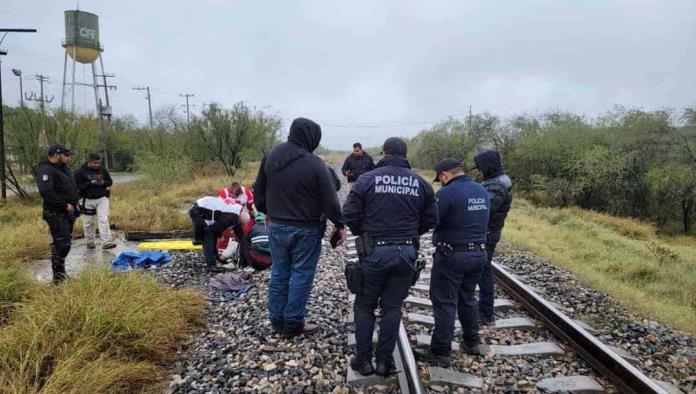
(233, 136)
(674, 186)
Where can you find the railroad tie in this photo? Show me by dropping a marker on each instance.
(570, 384)
(499, 303)
(439, 375)
(515, 323)
(526, 349)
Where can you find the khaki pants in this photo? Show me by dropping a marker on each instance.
(101, 205)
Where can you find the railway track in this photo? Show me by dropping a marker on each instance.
(521, 310)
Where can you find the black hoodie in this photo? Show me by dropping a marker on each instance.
(499, 187)
(293, 185)
(84, 177)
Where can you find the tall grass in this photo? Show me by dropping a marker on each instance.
(623, 257)
(101, 332)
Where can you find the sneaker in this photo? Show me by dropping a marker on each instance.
(385, 368)
(91, 245)
(108, 245)
(364, 368)
(432, 358)
(307, 329)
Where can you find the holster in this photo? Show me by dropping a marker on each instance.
(364, 245)
(420, 266)
(354, 279)
(444, 249)
(83, 209)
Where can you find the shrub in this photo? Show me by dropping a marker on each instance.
(102, 332)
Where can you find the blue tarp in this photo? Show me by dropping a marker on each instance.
(126, 260)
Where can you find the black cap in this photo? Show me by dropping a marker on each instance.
(445, 164)
(394, 146)
(58, 148)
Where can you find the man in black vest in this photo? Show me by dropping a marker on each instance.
(59, 193)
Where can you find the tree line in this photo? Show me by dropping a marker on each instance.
(627, 162)
(220, 137)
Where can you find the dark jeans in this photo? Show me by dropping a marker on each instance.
(387, 276)
(452, 285)
(295, 254)
(486, 287)
(60, 226)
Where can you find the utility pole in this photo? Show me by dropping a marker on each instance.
(149, 102)
(471, 129)
(42, 99)
(103, 111)
(18, 73)
(3, 176)
(188, 113)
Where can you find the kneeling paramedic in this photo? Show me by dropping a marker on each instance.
(460, 254)
(389, 207)
(59, 193)
(211, 216)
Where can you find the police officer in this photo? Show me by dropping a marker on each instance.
(499, 188)
(460, 241)
(389, 207)
(60, 196)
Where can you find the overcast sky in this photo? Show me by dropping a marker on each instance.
(398, 65)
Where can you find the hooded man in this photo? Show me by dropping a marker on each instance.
(294, 188)
(499, 188)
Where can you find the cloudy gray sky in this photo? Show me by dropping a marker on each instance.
(367, 70)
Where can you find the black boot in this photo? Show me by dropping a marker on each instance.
(58, 268)
(385, 368)
(364, 368)
(432, 358)
(473, 349)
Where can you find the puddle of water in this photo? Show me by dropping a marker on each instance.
(80, 257)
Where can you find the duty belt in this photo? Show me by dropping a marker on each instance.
(394, 243)
(471, 246)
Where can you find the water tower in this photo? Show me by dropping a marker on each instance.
(82, 46)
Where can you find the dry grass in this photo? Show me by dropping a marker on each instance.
(102, 332)
(622, 257)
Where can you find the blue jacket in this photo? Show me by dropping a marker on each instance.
(464, 209)
(391, 202)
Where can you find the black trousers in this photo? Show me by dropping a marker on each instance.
(60, 226)
(208, 234)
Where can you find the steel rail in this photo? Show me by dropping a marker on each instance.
(413, 384)
(626, 377)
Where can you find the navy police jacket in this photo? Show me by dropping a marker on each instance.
(391, 202)
(464, 209)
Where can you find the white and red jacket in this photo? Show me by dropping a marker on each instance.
(245, 198)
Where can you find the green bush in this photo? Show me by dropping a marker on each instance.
(164, 166)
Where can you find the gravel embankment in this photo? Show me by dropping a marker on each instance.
(664, 353)
(238, 352)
